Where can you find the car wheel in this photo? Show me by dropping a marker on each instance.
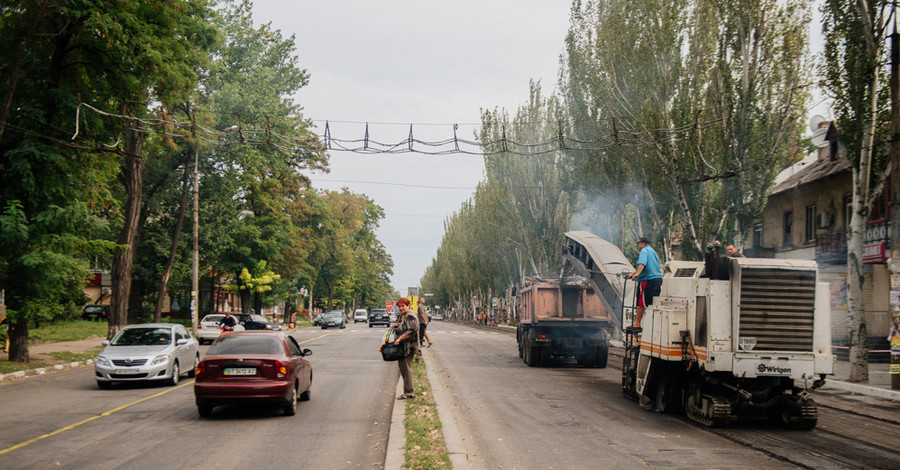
(371, 325)
(306, 395)
(290, 409)
(176, 373)
(204, 410)
(193, 372)
(104, 385)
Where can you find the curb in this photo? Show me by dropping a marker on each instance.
(459, 458)
(21, 374)
(396, 454)
(861, 389)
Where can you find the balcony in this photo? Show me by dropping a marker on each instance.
(831, 248)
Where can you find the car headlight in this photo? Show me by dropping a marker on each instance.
(159, 359)
(103, 361)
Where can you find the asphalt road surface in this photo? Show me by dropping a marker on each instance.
(62, 420)
(512, 416)
(508, 415)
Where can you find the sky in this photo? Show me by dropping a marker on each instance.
(430, 64)
(426, 63)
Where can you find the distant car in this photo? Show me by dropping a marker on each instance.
(95, 312)
(149, 351)
(246, 366)
(208, 328)
(334, 318)
(252, 321)
(360, 315)
(318, 320)
(379, 316)
(437, 316)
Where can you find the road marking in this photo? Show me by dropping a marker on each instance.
(317, 337)
(92, 418)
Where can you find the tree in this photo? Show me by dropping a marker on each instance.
(853, 75)
(61, 54)
(696, 105)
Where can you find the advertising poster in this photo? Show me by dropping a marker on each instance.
(838, 282)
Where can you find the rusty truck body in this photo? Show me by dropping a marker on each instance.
(562, 318)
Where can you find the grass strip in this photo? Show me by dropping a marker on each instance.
(69, 356)
(70, 330)
(425, 447)
(7, 367)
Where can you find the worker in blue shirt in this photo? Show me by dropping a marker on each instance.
(648, 277)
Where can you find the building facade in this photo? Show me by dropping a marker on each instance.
(807, 216)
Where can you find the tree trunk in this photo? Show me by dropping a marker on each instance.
(859, 355)
(124, 255)
(18, 339)
(167, 271)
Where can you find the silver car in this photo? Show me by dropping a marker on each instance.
(208, 329)
(150, 351)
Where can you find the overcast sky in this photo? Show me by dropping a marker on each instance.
(432, 64)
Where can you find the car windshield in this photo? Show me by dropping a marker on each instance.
(333, 315)
(143, 337)
(212, 319)
(96, 309)
(246, 344)
(258, 318)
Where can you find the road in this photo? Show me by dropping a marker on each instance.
(512, 416)
(509, 416)
(62, 420)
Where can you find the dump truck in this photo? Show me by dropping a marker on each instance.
(562, 318)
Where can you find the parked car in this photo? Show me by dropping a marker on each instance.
(245, 366)
(208, 329)
(149, 351)
(360, 315)
(379, 316)
(318, 320)
(334, 318)
(95, 312)
(252, 321)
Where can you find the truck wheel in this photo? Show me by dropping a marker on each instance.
(545, 355)
(602, 357)
(521, 352)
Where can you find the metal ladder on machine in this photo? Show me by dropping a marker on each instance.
(632, 345)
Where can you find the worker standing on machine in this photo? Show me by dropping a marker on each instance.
(648, 277)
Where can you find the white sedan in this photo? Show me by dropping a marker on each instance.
(149, 351)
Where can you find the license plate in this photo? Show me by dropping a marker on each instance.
(127, 371)
(240, 371)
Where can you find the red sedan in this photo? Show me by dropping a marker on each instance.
(246, 366)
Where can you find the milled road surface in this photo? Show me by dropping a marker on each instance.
(344, 425)
(512, 416)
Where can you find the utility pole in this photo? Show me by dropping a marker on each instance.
(894, 180)
(195, 261)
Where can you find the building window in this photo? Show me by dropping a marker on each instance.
(788, 226)
(757, 236)
(811, 222)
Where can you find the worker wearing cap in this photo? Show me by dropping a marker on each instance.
(648, 277)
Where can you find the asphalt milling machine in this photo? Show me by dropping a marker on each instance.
(726, 339)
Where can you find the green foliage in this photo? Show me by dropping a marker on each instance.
(704, 103)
